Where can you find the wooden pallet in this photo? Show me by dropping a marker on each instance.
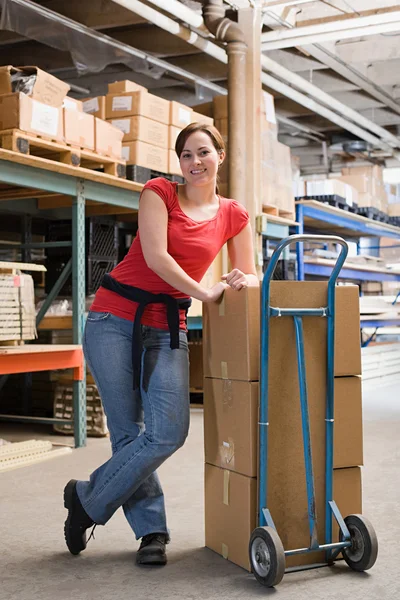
(27, 143)
(275, 211)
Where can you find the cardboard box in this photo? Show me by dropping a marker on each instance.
(40, 86)
(231, 507)
(19, 111)
(95, 106)
(72, 104)
(107, 139)
(231, 330)
(174, 166)
(222, 126)
(198, 117)
(231, 425)
(196, 365)
(220, 107)
(146, 155)
(173, 133)
(78, 128)
(230, 513)
(206, 109)
(125, 86)
(143, 129)
(129, 104)
(180, 115)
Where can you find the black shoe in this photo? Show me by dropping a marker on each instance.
(77, 521)
(152, 549)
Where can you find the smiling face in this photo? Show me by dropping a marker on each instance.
(199, 159)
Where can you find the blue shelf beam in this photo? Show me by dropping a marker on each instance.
(346, 273)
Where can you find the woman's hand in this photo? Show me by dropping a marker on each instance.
(236, 279)
(214, 293)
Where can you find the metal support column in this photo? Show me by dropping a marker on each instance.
(299, 246)
(78, 306)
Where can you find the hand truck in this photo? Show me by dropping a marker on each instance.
(358, 542)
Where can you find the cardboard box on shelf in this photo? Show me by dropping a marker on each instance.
(180, 115)
(146, 155)
(129, 104)
(222, 126)
(206, 109)
(231, 426)
(220, 107)
(173, 133)
(393, 210)
(125, 86)
(107, 139)
(35, 83)
(95, 106)
(268, 115)
(231, 513)
(231, 330)
(196, 365)
(78, 128)
(72, 104)
(198, 117)
(143, 129)
(174, 167)
(19, 111)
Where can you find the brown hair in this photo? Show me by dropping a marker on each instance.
(210, 130)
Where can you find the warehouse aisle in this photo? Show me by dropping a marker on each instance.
(35, 563)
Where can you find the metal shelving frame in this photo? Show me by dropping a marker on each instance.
(81, 188)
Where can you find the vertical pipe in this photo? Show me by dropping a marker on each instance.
(237, 120)
(299, 245)
(263, 409)
(78, 307)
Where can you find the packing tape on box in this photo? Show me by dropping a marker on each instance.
(227, 452)
(224, 370)
(226, 487)
(224, 551)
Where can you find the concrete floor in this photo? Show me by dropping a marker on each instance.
(34, 562)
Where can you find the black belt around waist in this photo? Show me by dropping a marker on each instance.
(144, 298)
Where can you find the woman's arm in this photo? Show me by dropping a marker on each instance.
(241, 256)
(153, 225)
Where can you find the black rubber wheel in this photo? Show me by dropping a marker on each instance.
(267, 556)
(362, 553)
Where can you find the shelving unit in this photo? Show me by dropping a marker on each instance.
(312, 217)
(39, 187)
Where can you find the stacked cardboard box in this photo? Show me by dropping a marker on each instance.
(330, 187)
(368, 181)
(31, 100)
(276, 164)
(231, 369)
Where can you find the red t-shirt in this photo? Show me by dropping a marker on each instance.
(193, 245)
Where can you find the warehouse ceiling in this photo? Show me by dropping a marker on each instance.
(346, 52)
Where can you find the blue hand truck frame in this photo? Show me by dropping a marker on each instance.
(358, 542)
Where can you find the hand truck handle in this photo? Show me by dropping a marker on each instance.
(309, 238)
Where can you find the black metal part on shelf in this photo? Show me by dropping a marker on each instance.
(373, 213)
(143, 174)
(332, 200)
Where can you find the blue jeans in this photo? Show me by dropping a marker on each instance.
(146, 425)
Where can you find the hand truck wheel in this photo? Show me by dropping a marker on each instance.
(362, 553)
(267, 556)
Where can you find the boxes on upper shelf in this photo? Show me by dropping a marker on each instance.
(72, 104)
(173, 133)
(95, 106)
(78, 128)
(174, 167)
(108, 139)
(129, 104)
(35, 83)
(19, 111)
(180, 115)
(143, 129)
(198, 117)
(146, 155)
(125, 86)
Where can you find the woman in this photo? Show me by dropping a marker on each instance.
(142, 372)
